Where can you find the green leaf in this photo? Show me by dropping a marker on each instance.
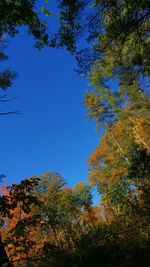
(46, 11)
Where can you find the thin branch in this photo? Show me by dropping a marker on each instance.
(10, 112)
(3, 98)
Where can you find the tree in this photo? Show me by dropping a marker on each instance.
(118, 37)
(118, 33)
(18, 197)
(83, 195)
(48, 191)
(18, 13)
(112, 175)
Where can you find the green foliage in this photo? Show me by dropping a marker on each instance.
(6, 76)
(46, 11)
(17, 13)
(82, 194)
(118, 52)
(70, 13)
(45, 223)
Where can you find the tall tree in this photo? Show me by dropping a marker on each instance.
(19, 197)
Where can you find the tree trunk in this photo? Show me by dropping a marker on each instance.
(55, 233)
(141, 139)
(116, 141)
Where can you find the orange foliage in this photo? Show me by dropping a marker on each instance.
(4, 191)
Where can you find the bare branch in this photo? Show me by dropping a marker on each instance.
(10, 112)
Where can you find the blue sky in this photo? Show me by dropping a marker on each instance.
(52, 133)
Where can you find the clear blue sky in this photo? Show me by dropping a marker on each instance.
(52, 133)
